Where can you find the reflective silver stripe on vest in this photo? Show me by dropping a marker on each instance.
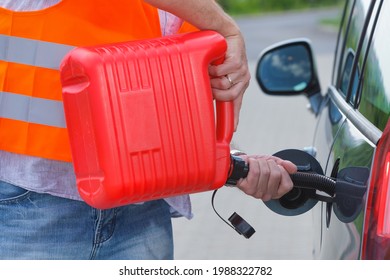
(32, 109)
(32, 52)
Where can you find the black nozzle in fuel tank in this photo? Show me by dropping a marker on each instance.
(298, 200)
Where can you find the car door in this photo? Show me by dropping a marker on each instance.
(347, 133)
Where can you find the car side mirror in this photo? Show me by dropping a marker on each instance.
(288, 68)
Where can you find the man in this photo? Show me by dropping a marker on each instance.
(41, 213)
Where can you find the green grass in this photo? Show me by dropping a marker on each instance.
(247, 7)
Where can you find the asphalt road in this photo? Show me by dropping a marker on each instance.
(267, 125)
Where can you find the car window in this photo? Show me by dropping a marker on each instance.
(346, 74)
(375, 100)
(344, 27)
(351, 31)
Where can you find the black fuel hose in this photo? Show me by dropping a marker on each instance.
(314, 181)
(239, 169)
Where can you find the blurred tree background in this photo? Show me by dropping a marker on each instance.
(236, 7)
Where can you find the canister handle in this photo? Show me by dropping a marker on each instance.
(225, 121)
(224, 115)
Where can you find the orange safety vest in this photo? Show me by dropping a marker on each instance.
(32, 45)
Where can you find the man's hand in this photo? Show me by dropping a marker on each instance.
(232, 77)
(268, 177)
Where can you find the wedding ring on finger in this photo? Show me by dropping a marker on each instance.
(230, 80)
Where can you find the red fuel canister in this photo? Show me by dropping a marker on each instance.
(142, 121)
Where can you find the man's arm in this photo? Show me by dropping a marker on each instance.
(208, 15)
(204, 14)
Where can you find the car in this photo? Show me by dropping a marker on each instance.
(351, 140)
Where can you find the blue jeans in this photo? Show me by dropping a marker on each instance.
(41, 226)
